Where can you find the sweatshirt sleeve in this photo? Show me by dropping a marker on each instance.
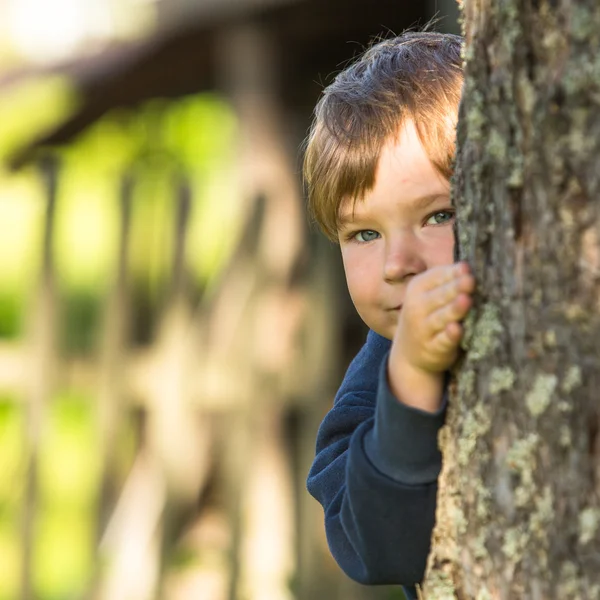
(375, 474)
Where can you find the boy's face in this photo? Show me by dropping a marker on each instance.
(402, 227)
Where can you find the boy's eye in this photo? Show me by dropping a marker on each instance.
(440, 218)
(366, 235)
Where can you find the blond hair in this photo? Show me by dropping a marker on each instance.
(415, 76)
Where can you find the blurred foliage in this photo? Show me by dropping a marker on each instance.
(20, 231)
(69, 478)
(156, 147)
(12, 460)
(31, 107)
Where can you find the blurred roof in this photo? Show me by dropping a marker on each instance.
(311, 39)
(175, 12)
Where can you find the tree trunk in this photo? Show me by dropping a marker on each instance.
(519, 501)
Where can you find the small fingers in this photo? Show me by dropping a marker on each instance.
(450, 313)
(454, 332)
(445, 294)
(465, 283)
(448, 338)
(438, 276)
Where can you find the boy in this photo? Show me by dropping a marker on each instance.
(377, 165)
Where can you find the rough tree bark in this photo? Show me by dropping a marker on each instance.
(519, 502)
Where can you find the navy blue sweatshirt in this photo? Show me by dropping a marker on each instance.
(375, 474)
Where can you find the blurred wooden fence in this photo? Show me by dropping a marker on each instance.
(226, 396)
(226, 393)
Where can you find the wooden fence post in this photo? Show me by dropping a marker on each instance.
(42, 332)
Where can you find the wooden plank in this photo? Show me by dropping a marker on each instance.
(39, 377)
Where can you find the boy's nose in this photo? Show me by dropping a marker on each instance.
(402, 260)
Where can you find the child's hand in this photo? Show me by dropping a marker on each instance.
(429, 331)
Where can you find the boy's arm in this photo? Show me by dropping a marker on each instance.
(375, 473)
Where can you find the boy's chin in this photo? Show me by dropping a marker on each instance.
(384, 330)
(382, 322)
